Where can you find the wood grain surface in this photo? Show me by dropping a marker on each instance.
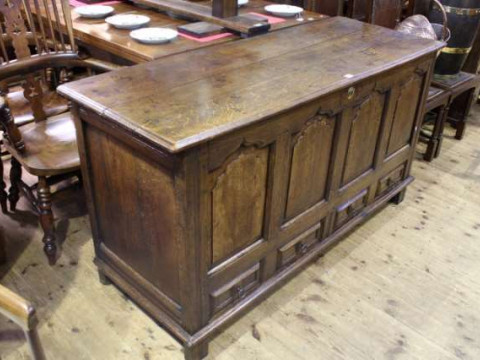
(192, 97)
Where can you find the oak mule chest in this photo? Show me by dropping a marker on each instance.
(213, 176)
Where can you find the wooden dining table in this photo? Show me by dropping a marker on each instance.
(105, 42)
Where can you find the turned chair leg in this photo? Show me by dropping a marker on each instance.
(46, 219)
(15, 177)
(3, 193)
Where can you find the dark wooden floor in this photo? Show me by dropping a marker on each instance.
(406, 285)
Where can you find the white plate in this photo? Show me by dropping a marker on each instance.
(154, 35)
(242, 2)
(128, 21)
(94, 11)
(283, 10)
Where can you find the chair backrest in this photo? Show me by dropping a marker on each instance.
(385, 13)
(42, 23)
(325, 7)
(38, 33)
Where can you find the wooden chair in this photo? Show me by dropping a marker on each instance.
(53, 103)
(47, 147)
(21, 312)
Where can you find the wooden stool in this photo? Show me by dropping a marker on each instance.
(437, 101)
(462, 87)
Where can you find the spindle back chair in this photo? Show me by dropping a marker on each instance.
(33, 28)
(40, 33)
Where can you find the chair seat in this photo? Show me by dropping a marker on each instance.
(50, 147)
(53, 104)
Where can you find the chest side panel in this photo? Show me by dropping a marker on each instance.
(135, 209)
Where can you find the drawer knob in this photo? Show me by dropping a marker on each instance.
(351, 92)
(238, 292)
(302, 249)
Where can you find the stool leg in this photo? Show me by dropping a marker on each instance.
(431, 149)
(3, 193)
(443, 119)
(46, 219)
(460, 129)
(461, 123)
(436, 133)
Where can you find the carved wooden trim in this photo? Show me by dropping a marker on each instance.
(15, 26)
(320, 118)
(242, 150)
(33, 93)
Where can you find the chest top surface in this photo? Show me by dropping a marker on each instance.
(186, 99)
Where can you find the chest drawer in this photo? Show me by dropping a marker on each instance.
(298, 247)
(235, 290)
(350, 208)
(390, 180)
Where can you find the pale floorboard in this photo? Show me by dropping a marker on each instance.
(406, 285)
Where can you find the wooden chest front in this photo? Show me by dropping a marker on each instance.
(202, 233)
(274, 193)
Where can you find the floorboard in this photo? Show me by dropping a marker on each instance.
(406, 285)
